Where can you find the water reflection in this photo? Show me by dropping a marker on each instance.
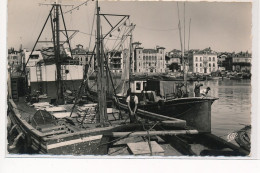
(233, 107)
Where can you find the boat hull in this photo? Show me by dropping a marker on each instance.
(195, 111)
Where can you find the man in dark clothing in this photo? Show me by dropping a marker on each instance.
(179, 92)
(132, 101)
(197, 88)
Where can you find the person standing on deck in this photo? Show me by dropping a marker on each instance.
(197, 88)
(179, 92)
(132, 101)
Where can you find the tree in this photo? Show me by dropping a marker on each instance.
(174, 66)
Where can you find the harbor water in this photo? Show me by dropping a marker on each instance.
(233, 109)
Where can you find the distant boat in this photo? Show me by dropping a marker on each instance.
(237, 76)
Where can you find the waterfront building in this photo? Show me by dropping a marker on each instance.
(173, 60)
(149, 60)
(14, 57)
(241, 61)
(80, 54)
(204, 61)
(225, 61)
(115, 61)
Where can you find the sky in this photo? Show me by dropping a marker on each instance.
(223, 26)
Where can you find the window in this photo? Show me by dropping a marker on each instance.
(139, 64)
(196, 58)
(200, 64)
(196, 65)
(213, 64)
(197, 70)
(213, 58)
(209, 69)
(200, 58)
(138, 86)
(34, 57)
(209, 65)
(209, 58)
(86, 59)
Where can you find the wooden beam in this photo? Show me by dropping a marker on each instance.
(174, 123)
(151, 133)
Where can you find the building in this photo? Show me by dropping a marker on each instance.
(204, 61)
(225, 61)
(173, 60)
(14, 57)
(80, 54)
(241, 61)
(115, 61)
(149, 60)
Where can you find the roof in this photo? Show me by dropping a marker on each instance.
(79, 51)
(149, 51)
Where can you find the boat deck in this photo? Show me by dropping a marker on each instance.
(69, 136)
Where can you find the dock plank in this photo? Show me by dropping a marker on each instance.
(142, 148)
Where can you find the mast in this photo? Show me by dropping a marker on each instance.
(184, 58)
(131, 58)
(101, 80)
(60, 98)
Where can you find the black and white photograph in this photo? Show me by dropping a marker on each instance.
(152, 79)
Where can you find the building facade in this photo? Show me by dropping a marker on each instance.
(80, 54)
(241, 61)
(14, 57)
(115, 61)
(204, 61)
(149, 60)
(173, 60)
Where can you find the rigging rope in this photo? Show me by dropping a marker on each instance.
(77, 7)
